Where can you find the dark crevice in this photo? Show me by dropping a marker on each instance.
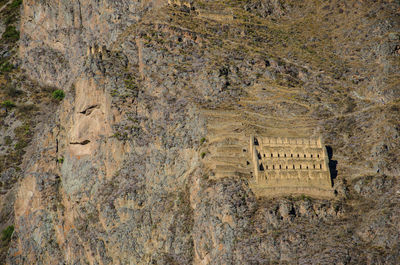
(332, 164)
(81, 143)
(89, 110)
(80, 14)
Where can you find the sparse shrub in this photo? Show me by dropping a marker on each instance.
(20, 146)
(27, 108)
(7, 140)
(304, 197)
(10, 19)
(8, 104)
(58, 94)
(22, 131)
(7, 233)
(131, 85)
(16, 3)
(72, 89)
(11, 91)
(11, 34)
(224, 71)
(23, 136)
(60, 160)
(203, 154)
(202, 140)
(6, 67)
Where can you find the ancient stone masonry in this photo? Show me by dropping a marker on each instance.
(295, 164)
(181, 3)
(289, 166)
(96, 50)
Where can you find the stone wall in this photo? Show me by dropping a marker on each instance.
(290, 166)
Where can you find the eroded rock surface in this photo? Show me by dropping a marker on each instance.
(119, 173)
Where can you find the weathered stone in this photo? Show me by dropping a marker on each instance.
(159, 94)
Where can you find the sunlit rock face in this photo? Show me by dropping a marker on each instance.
(90, 121)
(55, 34)
(125, 171)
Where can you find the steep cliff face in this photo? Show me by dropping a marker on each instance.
(118, 174)
(56, 34)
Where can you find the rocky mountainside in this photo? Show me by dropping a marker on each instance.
(114, 111)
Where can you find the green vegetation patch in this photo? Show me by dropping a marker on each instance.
(16, 4)
(6, 67)
(11, 34)
(58, 94)
(7, 233)
(8, 104)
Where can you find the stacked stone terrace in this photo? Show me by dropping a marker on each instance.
(228, 146)
(274, 166)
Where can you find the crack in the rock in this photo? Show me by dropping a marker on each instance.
(89, 110)
(81, 143)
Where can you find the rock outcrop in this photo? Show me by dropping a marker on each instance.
(119, 173)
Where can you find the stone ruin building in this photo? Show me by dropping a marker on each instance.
(289, 166)
(276, 166)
